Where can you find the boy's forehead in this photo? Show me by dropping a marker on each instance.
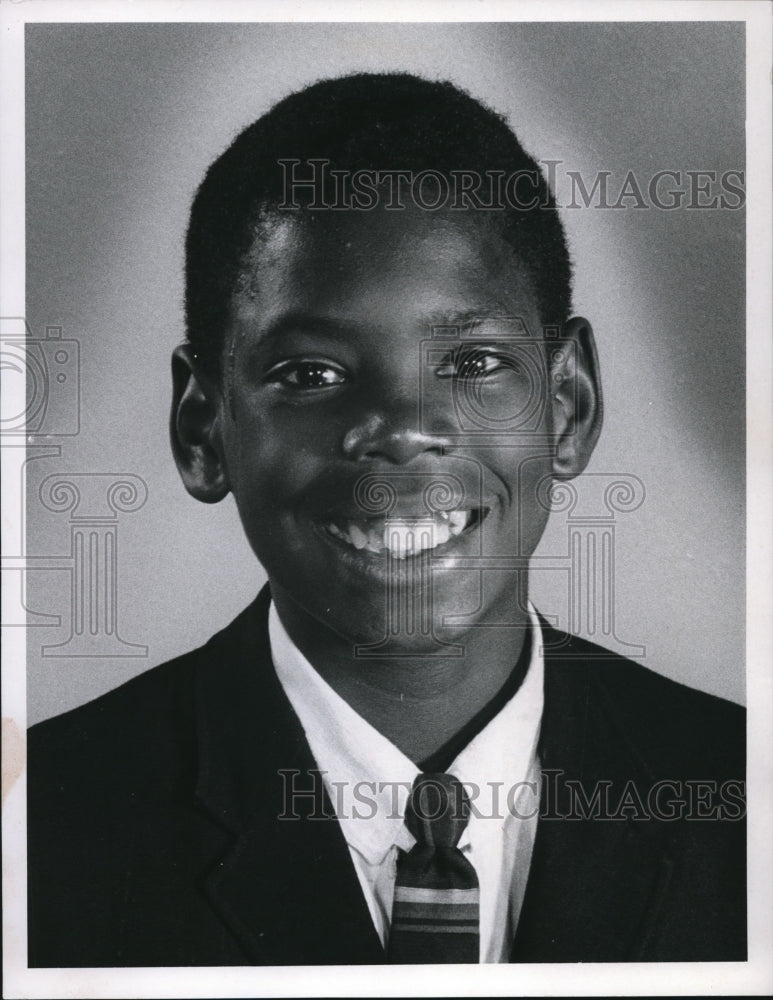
(437, 264)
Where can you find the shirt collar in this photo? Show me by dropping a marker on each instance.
(367, 777)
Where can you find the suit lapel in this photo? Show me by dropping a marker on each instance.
(574, 909)
(287, 887)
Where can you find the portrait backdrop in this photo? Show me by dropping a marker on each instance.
(122, 121)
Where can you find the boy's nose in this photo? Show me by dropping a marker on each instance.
(395, 441)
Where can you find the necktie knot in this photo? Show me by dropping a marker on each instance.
(436, 906)
(438, 810)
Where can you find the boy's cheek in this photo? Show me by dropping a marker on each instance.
(267, 460)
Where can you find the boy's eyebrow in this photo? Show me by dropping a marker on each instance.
(339, 328)
(470, 318)
(297, 321)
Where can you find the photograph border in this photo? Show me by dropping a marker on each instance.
(753, 977)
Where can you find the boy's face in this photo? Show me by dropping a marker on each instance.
(332, 401)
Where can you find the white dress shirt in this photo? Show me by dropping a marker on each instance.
(368, 780)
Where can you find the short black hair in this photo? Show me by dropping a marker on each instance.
(365, 121)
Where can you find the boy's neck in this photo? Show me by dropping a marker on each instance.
(420, 703)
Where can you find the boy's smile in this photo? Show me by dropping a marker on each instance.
(387, 417)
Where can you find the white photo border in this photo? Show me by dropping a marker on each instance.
(754, 977)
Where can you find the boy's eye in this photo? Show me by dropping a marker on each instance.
(472, 363)
(307, 374)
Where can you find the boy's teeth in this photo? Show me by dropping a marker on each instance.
(403, 537)
(357, 537)
(442, 534)
(375, 538)
(457, 520)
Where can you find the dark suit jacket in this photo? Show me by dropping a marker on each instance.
(154, 838)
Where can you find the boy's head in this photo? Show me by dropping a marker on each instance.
(373, 385)
(366, 123)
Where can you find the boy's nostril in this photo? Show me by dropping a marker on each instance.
(396, 446)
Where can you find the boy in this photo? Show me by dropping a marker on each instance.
(388, 757)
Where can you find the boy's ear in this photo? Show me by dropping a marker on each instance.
(195, 428)
(575, 396)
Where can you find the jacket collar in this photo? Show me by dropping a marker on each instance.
(574, 909)
(287, 887)
(252, 752)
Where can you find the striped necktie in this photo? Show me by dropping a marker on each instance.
(435, 913)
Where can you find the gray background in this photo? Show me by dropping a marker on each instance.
(122, 121)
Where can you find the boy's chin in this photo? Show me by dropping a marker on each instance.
(405, 620)
(380, 642)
